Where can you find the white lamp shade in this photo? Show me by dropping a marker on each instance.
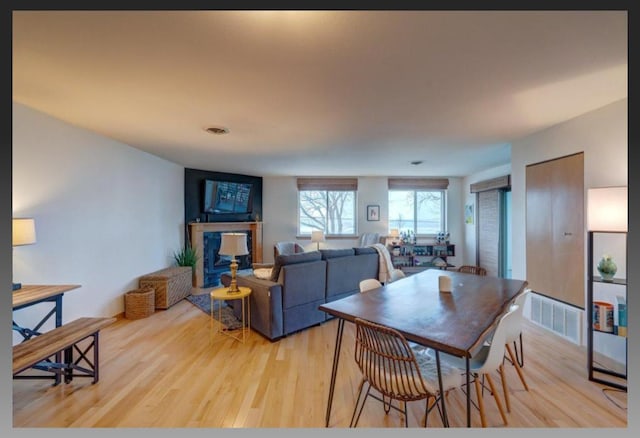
(607, 209)
(24, 231)
(394, 232)
(317, 236)
(233, 244)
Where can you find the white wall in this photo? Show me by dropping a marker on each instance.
(280, 208)
(105, 214)
(468, 246)
(600, 134)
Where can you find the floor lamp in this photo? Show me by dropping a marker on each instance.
(606, 215)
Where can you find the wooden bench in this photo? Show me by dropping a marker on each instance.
(38, 351)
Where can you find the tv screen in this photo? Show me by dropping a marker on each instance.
(222, 197)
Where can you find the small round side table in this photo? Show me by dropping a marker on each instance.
(222, 294)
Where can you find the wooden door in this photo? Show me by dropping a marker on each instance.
(555, 228)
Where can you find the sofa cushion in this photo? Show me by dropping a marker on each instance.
(365, 250)
(292, 259)
(333, 253)
(345, 273)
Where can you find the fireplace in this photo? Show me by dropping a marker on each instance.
(206, 237)
(213, 264)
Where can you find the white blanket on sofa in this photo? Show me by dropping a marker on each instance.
(385, 268)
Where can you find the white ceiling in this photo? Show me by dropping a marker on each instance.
(320, 92)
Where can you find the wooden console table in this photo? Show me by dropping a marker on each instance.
(30, 294)
(197, 229)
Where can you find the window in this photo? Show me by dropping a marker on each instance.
(418, 205)
(419, 211)
(327, 204)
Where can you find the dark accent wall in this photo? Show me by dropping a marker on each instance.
(194, 196)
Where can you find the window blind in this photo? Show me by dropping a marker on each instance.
(418, 183)
(334, 184)
(501, 182)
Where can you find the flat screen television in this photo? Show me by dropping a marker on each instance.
(226, 197)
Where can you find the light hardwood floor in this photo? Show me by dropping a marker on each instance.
(171, 370)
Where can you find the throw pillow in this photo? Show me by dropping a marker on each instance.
(292, 259)
(263, 273)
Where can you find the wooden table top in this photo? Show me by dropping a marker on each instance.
(453, 322)
(30, 293)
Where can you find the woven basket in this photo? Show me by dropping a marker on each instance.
(139, 303)
(171, 285)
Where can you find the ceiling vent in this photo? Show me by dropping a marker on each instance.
(217, 130)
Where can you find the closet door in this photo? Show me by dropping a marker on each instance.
(555, 228)
(539, 239)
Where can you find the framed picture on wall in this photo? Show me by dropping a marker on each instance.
(373, 212)
(468, 214)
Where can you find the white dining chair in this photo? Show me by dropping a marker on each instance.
(368, 284)
(396, 274)
(487, 360)
(514, 336)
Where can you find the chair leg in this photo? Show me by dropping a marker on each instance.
(426, 411)
(505, 389)
(517, 365)
(483, 420)
(520, 356)
(355, 408)
(385, 405)
(497, 399)
(406, 417)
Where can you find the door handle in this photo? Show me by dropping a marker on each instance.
(568, 234)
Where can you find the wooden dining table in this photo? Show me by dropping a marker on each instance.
(456, 323)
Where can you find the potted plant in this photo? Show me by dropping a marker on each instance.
(187, 256)
(607, 268)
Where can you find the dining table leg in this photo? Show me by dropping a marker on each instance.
(58, 359)
(468, 392)
(445, 418)
(334, 369)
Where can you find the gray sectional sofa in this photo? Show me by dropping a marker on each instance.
(299, 284)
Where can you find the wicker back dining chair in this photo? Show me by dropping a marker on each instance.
(389, 365)
(476, 270)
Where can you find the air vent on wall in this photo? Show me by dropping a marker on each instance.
(557, 317)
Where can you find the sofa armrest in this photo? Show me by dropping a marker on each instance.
(266, 303)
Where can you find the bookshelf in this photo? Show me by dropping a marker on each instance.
(607, 313)
(415, 257)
